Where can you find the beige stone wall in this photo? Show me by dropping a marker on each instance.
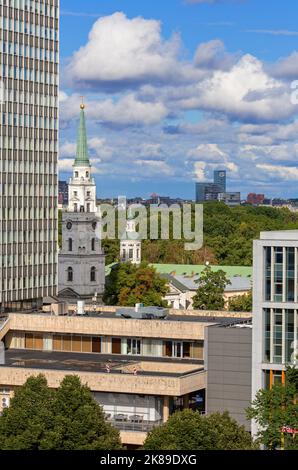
(162, 367)
(133, 438)
(122, 383)
(211, 313)
(109, 326)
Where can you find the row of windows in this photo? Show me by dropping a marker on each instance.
(280, 337)
(70, 276)
(280, 271)
(30, 28)
(70, 244)
(19, 73)
(28, 282)
(27, 120)
(39, 7)
(26, 144)
(77, 208)
(24, 237)
(38, 99)
(28, 213)
(124, 346)
(30, 167)
(30, 52)
(28, 190)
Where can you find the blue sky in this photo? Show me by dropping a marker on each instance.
(177, 88)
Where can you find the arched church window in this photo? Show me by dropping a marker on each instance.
(87, 174)
(76, 174)
(70, 244)
(93, 274)
(69, 274)
(88, 207)
(93, 244)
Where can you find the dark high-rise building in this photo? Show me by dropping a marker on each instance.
(63, 192)
(29, 50)
(220, 179)
(207, 192)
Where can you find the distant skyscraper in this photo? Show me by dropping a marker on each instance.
(220, 179)
(29, 50)
(63, 192)
(207, 192)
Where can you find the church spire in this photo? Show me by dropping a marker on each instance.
(82, 158)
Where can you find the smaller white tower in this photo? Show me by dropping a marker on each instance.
(130, 246)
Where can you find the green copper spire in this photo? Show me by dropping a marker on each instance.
(82, 158)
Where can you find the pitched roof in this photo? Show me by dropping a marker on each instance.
(192, 270)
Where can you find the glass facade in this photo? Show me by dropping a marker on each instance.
(280, 336)
(281, 270)
(29, 66)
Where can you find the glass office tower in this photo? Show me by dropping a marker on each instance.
(29, 63)
(220, 179)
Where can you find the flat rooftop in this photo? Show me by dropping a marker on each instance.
(81, 362)
(226, 320)
(286, 235)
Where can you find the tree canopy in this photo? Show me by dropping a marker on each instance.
(129, 284)
(274, 408)
(241, 303)
(188, 430)
(228, 236)
(210, 293)
(68, 418)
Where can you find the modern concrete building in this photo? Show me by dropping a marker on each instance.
(275, 307)
(29, 65)
(141, 365)
(228, 355)
(81, 259)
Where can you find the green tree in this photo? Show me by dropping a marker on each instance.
(79, 422)
(241, 303)
(188, 430)
(210, 293)
(24, 424)
(68, 418)
(274, 408)
(129, 284)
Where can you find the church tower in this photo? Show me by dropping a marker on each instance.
(81, 259)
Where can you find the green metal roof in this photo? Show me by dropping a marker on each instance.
(82, 158)
(191, 270)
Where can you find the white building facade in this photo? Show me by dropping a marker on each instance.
(275, 308)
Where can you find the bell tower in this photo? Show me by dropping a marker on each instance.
(81, 259)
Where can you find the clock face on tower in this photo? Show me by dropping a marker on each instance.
(69, 225)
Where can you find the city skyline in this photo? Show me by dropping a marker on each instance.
(176, 90)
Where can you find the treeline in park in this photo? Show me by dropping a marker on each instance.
(228, 236)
